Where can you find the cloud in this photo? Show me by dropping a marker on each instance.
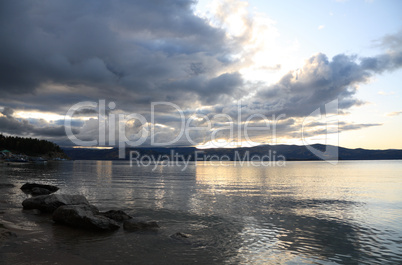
(86, 112)
(57, 53)
(120, 49)
(7, 111)
(321, 27)
(318, 82)
(395, 113)
(353, 126)
(33, 127)
(321, 80)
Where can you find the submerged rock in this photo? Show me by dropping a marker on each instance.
(116, 215)
(180, 235)
(83, 216)
(135, 225)
(49, 203)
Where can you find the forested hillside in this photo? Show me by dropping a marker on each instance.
(29, 146)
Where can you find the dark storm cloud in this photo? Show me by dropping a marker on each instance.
(53, 131)
(122, 49)
(33, 127)
(8, 112)
(208, 91)
(86, 112)
(8, 124)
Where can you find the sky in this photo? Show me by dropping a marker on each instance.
(220, 73)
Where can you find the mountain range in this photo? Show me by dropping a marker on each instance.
(288, 152)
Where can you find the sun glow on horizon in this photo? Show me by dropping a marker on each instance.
(47, 116)
(222, 143)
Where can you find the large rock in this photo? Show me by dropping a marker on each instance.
(27, 187)
(116, 215)
(135, 225)
(83, 216)
(49, 203)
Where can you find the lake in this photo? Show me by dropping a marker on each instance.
(300, 213)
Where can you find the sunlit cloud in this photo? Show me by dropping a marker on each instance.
(38, 115)
(392, 114)
(262, 56)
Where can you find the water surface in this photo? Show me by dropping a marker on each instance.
(305, 212)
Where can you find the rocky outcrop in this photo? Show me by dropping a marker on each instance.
(75, 211)
(49, 203)
(83, 216)
(116, 215)
(38, 189)
(135, 225)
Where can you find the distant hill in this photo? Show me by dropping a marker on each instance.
(290, 152)
(31, 147)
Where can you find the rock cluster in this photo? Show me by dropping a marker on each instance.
(76, 211)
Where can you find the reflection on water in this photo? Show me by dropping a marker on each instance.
(306, 212)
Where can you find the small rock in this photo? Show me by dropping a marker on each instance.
(180, 235)
(83, 216)
(133, 225)
(49, 203)
(116, 215)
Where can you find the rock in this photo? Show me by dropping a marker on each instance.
(28, 187)
(40, 191)
(179, 235)
(49, 203)
(83, 216)
(134, 225)
(116, 215)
